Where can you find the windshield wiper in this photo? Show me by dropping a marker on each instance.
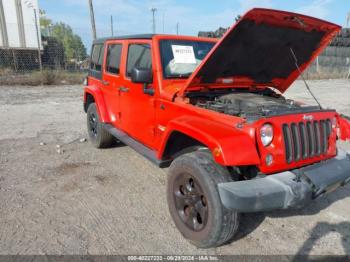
(180, 76)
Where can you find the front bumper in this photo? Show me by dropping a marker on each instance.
(289, 189)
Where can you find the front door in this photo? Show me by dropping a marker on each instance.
(112, 79)
(137, 108)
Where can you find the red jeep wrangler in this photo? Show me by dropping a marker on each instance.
(214, 112)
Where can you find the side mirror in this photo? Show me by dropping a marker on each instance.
(143, 76)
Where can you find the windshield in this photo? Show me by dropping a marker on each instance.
(181, 57)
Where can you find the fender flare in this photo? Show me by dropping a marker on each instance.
(99, 101)
(229, 146)
(344, 126)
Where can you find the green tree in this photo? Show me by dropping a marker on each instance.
(45, 22)
(73, 46)
(72, 43)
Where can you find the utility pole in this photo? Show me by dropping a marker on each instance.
(163, 21)
(112, 30)
(38, 39)
(153, 10)
(38, 33)
(92, 16)
(177, 28)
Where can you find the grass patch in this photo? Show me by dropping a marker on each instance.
(46, 77)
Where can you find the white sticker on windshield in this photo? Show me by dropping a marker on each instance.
(183, 54)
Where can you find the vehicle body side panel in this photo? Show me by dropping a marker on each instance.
(137, 111)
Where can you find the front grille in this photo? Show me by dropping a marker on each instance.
(306, 139)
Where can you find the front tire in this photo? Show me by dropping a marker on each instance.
(98, 136)
(194, 201)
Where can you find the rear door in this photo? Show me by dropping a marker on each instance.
(112, 79)
(95, 70)
(137, 108)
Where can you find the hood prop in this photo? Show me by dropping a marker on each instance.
(302, 77)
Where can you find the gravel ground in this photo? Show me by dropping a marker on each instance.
(65, 197)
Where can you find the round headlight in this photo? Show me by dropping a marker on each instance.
(266, 134)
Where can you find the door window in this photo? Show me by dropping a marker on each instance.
(139, 55)
(113, 58)
(97, 57)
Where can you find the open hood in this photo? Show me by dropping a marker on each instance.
(256, 51)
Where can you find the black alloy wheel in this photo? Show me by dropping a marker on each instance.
(98, 135)
(93, 124)
(190, 202)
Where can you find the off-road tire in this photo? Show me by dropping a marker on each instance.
(98, 136)
(221, 223)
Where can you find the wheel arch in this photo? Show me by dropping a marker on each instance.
(89, 98)
(93, 94)
(225, 143)
(179, 143)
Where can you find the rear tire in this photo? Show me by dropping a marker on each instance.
(194, 201)
(98, 136)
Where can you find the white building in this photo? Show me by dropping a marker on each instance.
(18, 25)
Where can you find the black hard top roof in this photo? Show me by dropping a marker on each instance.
(141, 36)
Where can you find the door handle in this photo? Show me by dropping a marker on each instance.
(123, 89)
(105, 83)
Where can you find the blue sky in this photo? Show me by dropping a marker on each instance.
(134, 16)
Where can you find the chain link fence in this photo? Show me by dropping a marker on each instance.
(22, 67)
(59, 58)
(64, 55)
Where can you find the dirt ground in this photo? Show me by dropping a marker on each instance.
(79, 200)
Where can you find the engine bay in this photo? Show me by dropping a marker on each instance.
(248, 104)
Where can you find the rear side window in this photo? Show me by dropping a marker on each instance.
(113, 58)
(139, 55)
(97, 57)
